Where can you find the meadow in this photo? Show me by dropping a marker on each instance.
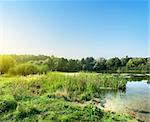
(74, 60)
(57, 96)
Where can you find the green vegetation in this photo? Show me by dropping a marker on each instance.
(6, 62)
(30, 64)
(57, 97)
(31, 89)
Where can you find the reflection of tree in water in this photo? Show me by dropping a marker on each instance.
(134, 103)
(148, 81)
(139, 78)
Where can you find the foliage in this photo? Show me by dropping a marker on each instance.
(6, 62)
(24, 69)
(113, 63)
(7, 105)
(55, 97)
(16, 64)
(100, 65)
(135, 62)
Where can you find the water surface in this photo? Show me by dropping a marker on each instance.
(135, 100)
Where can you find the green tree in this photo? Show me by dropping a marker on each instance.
(88, 64)
(50, 63)
(73, 65)
(100, 65)
(24, 69)
(6, 62)
(113, 63)
(62, 65)
(124, 61)
(134, 63)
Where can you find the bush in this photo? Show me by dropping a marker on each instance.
(7, 105)
(6, 62)
(24, 112)
(43, 69)
(24, 69)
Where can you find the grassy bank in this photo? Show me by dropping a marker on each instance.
(57, 97)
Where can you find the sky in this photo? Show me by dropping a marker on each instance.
(75, 28)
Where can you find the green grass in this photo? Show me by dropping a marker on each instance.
(52, 109)
(56, 97)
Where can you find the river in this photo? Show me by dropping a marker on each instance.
(135, 100)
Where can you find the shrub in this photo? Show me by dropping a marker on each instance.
(24, 69)
(6, 62)
(25, 111)
(7, 105)
(42, 69)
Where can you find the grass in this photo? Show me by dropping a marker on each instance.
(45, 109)
(56, 97)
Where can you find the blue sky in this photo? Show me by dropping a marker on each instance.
(75, 29)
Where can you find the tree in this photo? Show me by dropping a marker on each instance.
(82, 62)
(124, 61)
(73, 65)
(148, 65)
(100, 65)
(6, 62)
(113, 63)
(50, 63)
(62, 65)
(134, 63)
(88, 64)
(24, 69)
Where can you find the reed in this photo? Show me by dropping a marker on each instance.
(55, 96)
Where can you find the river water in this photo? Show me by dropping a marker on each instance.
(134, 101)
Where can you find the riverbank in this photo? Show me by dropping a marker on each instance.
(134, 101)
(57, 97)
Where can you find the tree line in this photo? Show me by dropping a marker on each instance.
(31, 64)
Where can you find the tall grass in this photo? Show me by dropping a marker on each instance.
(75, 87)
(54, 96)
(86, 85)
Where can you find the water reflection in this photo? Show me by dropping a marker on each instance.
(135, 100)
(138, 78)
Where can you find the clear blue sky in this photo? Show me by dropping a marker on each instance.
(75, 29)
